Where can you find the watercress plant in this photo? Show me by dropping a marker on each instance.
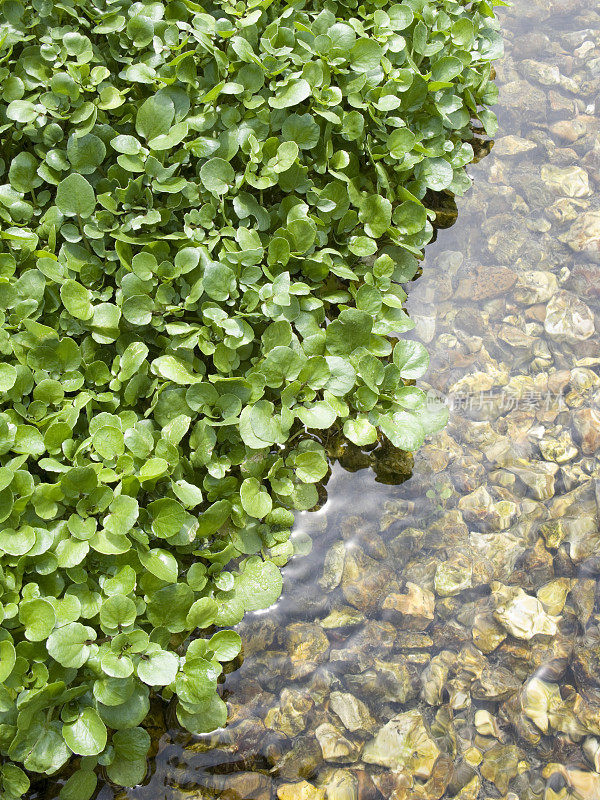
(207, 211)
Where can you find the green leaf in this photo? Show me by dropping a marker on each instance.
(85, 153)
(22, 174)
(256, 501)
(217, 175)
(376, 215)
(446, 68)
(75, 196)
(207, 716)
(167, 517)
(301, 129)
(311, 466)
(131, 750)
(197, 682)
(40, 747)
(86, 735)
(202, 614)
(174, 370)
(259, 584)
(8, 377)
(13, 781)
(70, 645)
(157, 667)
(360, 432)
(118, 611)
(80, 786)
(138, 309)
(225, 645)
(411, 358)
(17, 542)
(76, 299)
(21, 111)
(7, 658)
(154, 116)
(39, 619)
(291, 94)
(404, 430)
(160, 563)
(400, 142)
(437, 173)
(365, 55)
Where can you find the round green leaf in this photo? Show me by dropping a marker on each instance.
(8, 658)
(404, 430)
(217, 175)
(75, 196)
(360, 432)
(86, 735)
(8, 377)
(207, 716)
(70, 645)
(76, 299)
(39, 619)
(118, 611)
(411, 358)
(259, 584)
(80, 786)
(256, 501)
(202, 614)
(131, 750)
(226, 645)
(157, 667)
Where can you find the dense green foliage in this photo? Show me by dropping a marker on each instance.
(206, 214)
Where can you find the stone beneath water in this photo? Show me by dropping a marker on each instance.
(404, 743)
(512, 146)
(584, 235)
(567, 181)
(334, 745)
(568, 318)
(353, 713)
(300, 791)
(416, 607)
(522, 615)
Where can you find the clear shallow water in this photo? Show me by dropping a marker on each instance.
(455, 611)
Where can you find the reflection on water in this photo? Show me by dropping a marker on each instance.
(442, 640)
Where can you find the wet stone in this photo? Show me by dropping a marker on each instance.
(584, 235)
(568, 319)
(538, 477)
(587, 426)
(522, 615)
(569, 181)
(341, 784)
(416, 607)
(334, 745)
(364, 580)
(487, 633)
(486, 282)
(246, 786)
(454, 576)
(403, 743)
(512, 146)
(500, 765)
(300, 791)
(535, 286)
(354, 714)
(307, 647)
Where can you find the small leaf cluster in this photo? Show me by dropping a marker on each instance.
(206, 215)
